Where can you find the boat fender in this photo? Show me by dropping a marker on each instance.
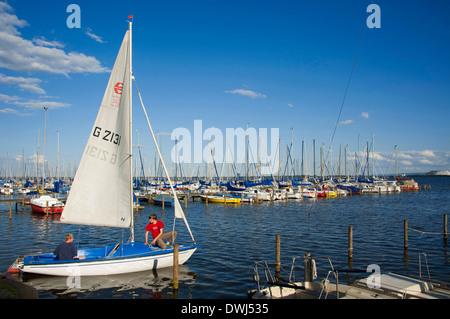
(314, 269)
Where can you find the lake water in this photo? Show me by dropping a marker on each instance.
(232, 238)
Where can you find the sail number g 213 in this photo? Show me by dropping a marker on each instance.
(107, 135)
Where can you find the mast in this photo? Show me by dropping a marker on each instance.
(43, 155)
(130, 128)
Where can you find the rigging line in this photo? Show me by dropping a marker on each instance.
(346, 90)
(176, 202)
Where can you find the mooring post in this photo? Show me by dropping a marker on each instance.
(405, 232)
(308, 275)
(277, 256)
(350, 242)
(175, 267)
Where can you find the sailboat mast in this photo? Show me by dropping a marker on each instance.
(43, 156)
(130, 128)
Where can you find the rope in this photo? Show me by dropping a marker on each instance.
(346, 90)
(425, 232)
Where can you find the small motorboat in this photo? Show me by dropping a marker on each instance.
(47, 205)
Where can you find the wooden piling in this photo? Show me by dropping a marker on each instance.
(405, 232)
(277, 255)
(10, 212)
(175, 267)
(350, 242)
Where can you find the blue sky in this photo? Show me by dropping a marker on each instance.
(271, 64)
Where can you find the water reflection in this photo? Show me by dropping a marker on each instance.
(232, 238)
(148, 284)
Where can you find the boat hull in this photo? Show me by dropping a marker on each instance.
(43, 210)
(220, 200)
(130, 257)
(46, 204)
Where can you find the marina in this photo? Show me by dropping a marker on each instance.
(319, 225)
(272, 220)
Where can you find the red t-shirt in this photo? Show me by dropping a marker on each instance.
(155, 228)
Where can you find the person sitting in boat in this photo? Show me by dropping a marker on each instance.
(156, 226)
(67, 250)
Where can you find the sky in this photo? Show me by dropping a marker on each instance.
(314, 70)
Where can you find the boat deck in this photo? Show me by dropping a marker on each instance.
(117, 251)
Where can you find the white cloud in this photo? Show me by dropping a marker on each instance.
(28, 84)
(39, 55)
(44, 43)
(290, 105)
(248, 93)
(365, 115)
(14, 112)
(9, 22)
(94, 36)
(7, 98)
(428, 153)
(346, 122)
(33, 104)
(425, 161)
(404, 155)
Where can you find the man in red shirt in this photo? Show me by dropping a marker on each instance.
(156, 228)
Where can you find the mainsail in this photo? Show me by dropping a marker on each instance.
(101, 193)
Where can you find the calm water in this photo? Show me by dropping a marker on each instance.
(231, 239)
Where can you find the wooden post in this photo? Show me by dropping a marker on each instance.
(405, 232)
(206, 200)
(224, 199)
(10, 213)
(163, 202)
(47, 208)
(175, 267)
(350, 242)
(23, 203)
(445, 228)
(277, 256)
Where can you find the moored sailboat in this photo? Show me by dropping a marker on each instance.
(102, 191)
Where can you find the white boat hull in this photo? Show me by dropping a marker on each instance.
(91, 266)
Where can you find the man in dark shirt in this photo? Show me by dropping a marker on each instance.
(66, 250)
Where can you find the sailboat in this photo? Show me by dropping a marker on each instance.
(46, 204)
(102, 192)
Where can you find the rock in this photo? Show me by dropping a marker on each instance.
(13, 289)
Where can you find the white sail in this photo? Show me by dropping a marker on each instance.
(101, 192)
